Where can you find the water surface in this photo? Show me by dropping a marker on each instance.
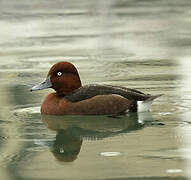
(136, 44)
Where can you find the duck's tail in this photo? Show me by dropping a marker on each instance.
(143, 106)
(152, 98)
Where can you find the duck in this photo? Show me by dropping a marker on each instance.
(73, 98)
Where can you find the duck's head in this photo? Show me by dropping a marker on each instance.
(63, 77)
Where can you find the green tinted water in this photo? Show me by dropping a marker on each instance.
(131, 44)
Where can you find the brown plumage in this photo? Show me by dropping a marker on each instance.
(73, 98)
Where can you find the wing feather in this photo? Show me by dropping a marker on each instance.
(89, 91)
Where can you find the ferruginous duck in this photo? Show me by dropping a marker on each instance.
(71, 98)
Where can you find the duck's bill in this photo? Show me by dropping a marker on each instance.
(43, 85)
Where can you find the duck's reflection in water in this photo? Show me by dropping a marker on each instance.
(67, 146)
(72, 130)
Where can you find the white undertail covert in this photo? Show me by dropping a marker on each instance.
(143, 106)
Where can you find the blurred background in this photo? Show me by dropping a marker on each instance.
(142, 44)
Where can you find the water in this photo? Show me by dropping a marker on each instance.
(137, 44)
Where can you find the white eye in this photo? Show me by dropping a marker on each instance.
(59, 74)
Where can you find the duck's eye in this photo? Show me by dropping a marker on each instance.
(59, 74)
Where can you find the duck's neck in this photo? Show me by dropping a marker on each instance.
(66, 91)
